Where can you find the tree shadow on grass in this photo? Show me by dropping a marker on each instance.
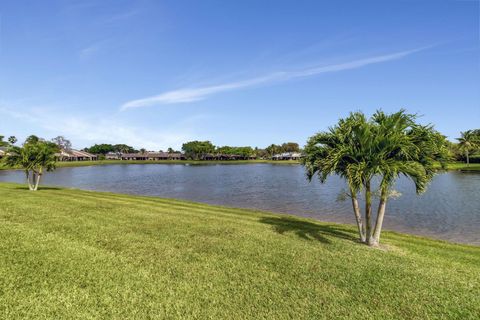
(308, 230)
(40, 188)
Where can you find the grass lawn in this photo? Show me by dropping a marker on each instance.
(463, 166)
(189, 162)
(450, 166)
(78, 254)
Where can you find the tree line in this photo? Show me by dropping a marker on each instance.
(467, 149)
(198, 149)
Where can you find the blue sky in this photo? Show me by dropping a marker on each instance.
(154, 74)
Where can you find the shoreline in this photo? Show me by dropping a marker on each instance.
(453, 166)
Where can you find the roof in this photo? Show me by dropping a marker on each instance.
(288, 154)
(75, 154)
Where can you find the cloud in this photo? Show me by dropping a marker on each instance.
(89, 51)
(108, 130)
(196, 94)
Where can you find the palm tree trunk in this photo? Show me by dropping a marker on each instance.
(368, 213)
(31, 182)
(27, 174)
(380, 214)
(37, 182)
(468, 158)
(358, 216)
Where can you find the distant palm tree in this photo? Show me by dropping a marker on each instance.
(468, 141)
(383, 147)
(12, 139)
(35, 157)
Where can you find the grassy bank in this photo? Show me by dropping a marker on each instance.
(79, 254)
(450, 166)
(189, 162)
(463, 166)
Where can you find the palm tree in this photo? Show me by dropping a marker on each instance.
(468, 140)
(35, 157)
(361, 150)
(12, 139)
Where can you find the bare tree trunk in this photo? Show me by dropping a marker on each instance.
(368, 213)
(358, 216)
(380, 214)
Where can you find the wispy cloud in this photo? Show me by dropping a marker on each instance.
(200, 93)
(94, 48)
(85, 131)
(89, 51)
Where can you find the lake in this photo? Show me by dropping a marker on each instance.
(450, 209)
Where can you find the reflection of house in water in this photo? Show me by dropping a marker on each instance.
(152, 156)
(287, 156)
(75, 155)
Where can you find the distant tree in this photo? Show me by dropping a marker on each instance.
(261, 153)
(123, 148)
(35, 157)
(273, 149)
(170, 150)
(469, 141)
(143, 151)
(3, 143)
(100, 149)
(197, 149)
(12, 140)
(290, 147)
(62, 143)
(239, 151)
(383, 147)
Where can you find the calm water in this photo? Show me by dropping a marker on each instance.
(450, 209)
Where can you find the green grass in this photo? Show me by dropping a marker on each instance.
(189, 162)
(450, 166)
(78, 254)
(463, 166)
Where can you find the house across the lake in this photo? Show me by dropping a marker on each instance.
(3, 151)
(113, 156)
(75, 155)
(152, 156)
(287, 156)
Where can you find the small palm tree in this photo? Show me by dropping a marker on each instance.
(383, 147)
(468, 141)
(12, 139)
(35, 157)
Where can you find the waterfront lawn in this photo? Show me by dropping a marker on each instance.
(78, 254)
(463, 166)
(67, 164)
